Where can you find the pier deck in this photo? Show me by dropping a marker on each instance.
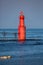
(4, 36)
(5, 40)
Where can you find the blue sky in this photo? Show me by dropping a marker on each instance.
(10, 11)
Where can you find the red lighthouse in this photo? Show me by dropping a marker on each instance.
(21, 28)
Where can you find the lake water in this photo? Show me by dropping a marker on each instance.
(27, 53)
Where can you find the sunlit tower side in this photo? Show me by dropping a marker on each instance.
(21, 27)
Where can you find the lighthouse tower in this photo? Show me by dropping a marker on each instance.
(21, 28)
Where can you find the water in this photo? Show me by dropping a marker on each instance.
(28, 53)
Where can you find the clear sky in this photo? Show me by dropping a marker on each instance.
(10, 11)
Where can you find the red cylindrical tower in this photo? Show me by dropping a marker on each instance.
(21, 28)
